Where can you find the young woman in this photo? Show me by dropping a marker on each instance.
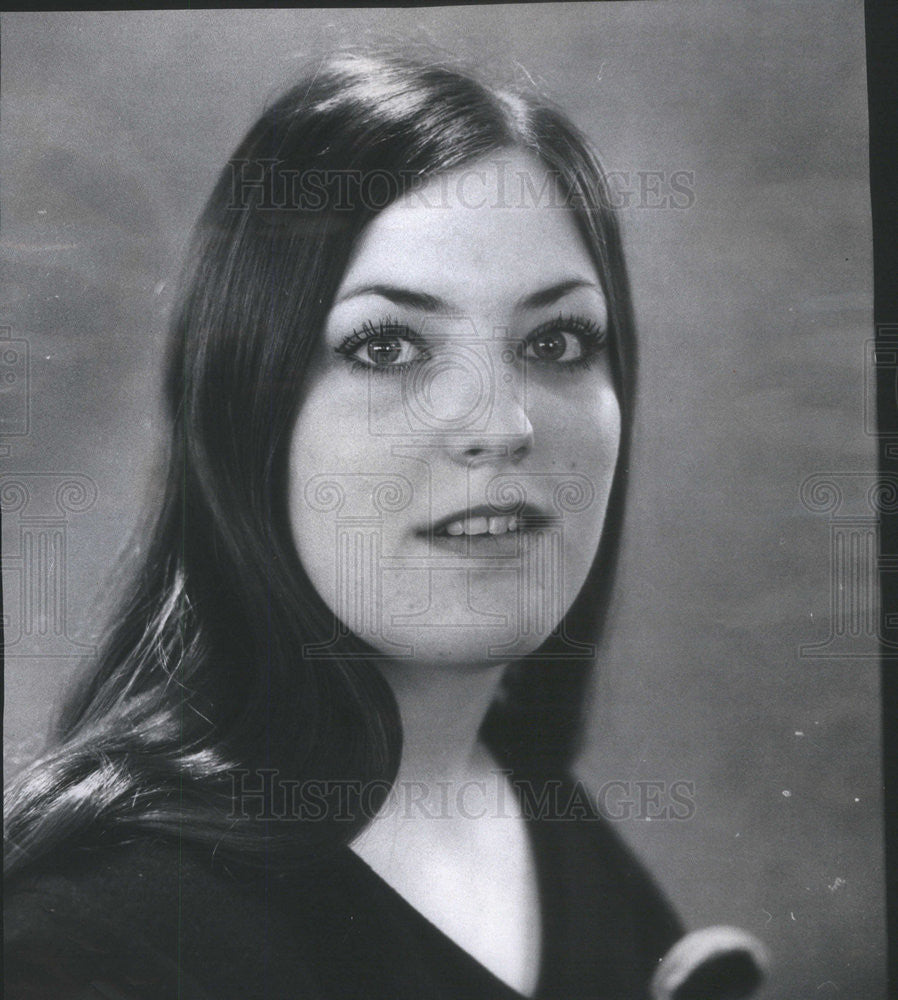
(325, 751)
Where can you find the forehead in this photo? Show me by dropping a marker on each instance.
(479, 236)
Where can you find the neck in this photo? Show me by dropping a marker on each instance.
(441, 709)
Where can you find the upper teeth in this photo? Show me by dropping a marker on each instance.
(483, 525)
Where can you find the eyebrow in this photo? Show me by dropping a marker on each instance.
(433, 303)
(400, 297)
(546, 296)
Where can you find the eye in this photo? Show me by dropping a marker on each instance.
(381, 351)
(384, 347)
(565, 340)
(556, 346)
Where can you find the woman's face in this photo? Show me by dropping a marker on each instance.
(453, 455)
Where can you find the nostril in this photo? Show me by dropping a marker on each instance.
(496, 450)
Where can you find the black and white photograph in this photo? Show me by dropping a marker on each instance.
(441, 510)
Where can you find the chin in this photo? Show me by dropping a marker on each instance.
(468, 618)
(456, 646)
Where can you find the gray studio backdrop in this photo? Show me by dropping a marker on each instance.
(740, 654)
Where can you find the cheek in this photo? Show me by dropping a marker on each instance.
(605, 429)
(581, 442)
(329, 439)
(337, 433)
(578, 430)
(340, 470)
(603, 432)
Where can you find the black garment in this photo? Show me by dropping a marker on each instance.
(156, 920)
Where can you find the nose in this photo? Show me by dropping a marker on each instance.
(504, 434)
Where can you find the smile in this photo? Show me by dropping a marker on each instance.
(485, 520)
(482, 526)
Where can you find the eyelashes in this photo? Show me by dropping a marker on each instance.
(570, 340)
(389, 347)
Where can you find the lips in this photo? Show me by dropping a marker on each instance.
(487, 520)
(500, 525)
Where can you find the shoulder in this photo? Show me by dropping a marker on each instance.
(614, 910)
(85, 921)
(148, 919)
(565, 805)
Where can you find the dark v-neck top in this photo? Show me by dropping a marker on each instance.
(155, 919)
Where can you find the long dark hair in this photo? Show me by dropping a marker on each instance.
(207, 668)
